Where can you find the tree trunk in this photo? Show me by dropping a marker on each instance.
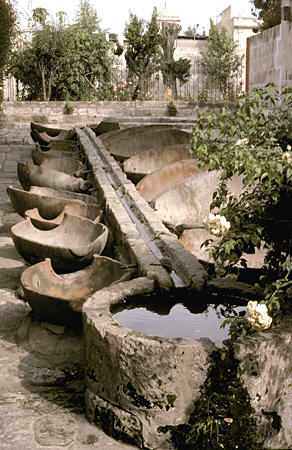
(50, 85)
(42, 70)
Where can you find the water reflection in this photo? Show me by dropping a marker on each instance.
(180, 314)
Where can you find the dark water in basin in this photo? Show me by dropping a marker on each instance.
(184, 315)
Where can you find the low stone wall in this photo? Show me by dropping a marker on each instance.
(20, 114)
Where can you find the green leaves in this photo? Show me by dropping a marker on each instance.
(220, 60)
(143, 50)
(72, 61)
(251, 138)
(7, 23)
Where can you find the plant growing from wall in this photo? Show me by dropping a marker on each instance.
(171, 109)
(219, 60)
(222, 417)
(143, 48)
(253, 138)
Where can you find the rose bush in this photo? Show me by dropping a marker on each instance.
(253, 138)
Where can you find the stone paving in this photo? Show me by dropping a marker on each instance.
(41, 365)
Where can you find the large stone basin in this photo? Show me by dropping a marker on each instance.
(154, 184)
(61, 145)
(52, 130)
(92, 212)
(105, 126)
(193, 239)
(144, 140)
(67, 165)
(38, 156)
(49, 202)
(137, 383)
(59, 298)
(147, 162)
(44, 139)
(70, 246)
(32, 175)
(189, 201)
(120, 135)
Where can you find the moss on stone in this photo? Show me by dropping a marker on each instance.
(171, 398)
(222, 417)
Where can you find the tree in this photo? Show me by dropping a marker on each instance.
(143, 47)
(40, 15)
(172, 69)
(268, 12)
(64, 62)
(89, 66)
(7, 22)
(219, 60)
(37, 64)
(191, 31)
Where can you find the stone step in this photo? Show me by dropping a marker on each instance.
(12, 137)
(154, 119)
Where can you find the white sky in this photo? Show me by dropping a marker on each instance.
(115, 13)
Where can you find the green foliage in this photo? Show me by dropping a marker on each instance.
(63, 62)
(88, 69)
(126, 91)
(268, 12)
(222, 416)
(38, 64)
(172, 69)
(7, 23)
(261, 216)
(40, 15)
(171, 108)
(191, 31)
(143, 49)
(220, 61)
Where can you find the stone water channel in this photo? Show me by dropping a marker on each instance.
(135, 384)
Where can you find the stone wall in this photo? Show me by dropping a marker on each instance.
(20, 114)
(269, 53)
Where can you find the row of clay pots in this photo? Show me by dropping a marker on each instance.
(62, 237)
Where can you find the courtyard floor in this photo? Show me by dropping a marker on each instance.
(41, 365)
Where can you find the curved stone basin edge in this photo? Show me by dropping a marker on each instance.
(114, 190)
(137, 383)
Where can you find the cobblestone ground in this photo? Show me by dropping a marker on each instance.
(41, 365)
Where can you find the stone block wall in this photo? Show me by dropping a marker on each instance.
(269, 53)
(18, 115)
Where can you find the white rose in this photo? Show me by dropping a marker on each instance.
(257, 315)
(241, 141)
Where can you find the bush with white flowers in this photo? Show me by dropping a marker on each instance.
(252, 138)
(257, 315)
(216, 224)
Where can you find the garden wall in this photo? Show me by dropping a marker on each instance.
(20, 114)
(269, 53)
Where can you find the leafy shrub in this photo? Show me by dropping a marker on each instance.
(253, 138)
